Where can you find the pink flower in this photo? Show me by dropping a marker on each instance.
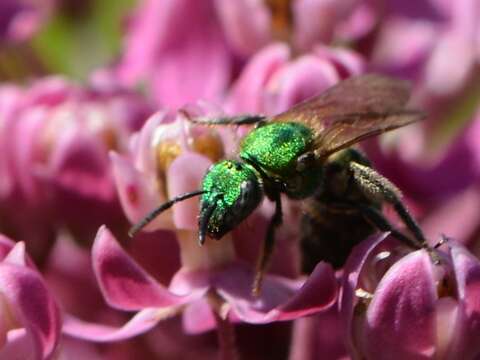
(184, 51)
(176, 48)
(435, 184)
(272, 81)
(399, 304)
(56, 137)
(30, 318)
(249, 25)
(19, 19)
(213, 286)
(223, 289)
(418, 41)
(159, 167)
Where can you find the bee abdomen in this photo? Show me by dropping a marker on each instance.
(330, 234)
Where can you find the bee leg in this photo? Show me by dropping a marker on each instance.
(378, 187)
(376, 218)
(224, 120)
(268, 245)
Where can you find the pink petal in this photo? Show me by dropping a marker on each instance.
(20, 345)
(184, 175)
(137, 195)
(144, 156)
(246, 24)
(400, 320)
(346, 62)
(351, 277)
(318, 337)
(6, 246)
(444, 77)
(315, 20)
(179, 48)
(247, 94)
(199, 70)
(79, 163)
(124, 284)
(198, 317)
(22, 150)
(307, 76)
(140, 323)
(280, 299)
(467, 272)
(34, 307)
(17, 255)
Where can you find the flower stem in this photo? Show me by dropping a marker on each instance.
(226, 338)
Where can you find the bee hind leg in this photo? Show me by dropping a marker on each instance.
(267, 247)
(378, 187)
(376, 218)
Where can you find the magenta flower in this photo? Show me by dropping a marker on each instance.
(56, 141)
(19, 19)
(160, 167)
(249, 25)
(435, 184)
(184, 51)
(176, 49)
(399, 304)
(222, 290)
(417, 42)
(212, 288)
(272, 82)
(30, 318)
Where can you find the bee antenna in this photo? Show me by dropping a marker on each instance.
(154, 213)
(204, 218)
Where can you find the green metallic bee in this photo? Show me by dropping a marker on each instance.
(304, 153)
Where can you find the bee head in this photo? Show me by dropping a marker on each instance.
(231, 191)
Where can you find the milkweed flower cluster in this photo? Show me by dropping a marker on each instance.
(95, 132)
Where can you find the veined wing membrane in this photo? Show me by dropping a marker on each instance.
(353, 110)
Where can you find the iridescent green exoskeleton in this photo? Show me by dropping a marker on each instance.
(304, 153)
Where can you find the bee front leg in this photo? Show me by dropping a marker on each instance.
(224, 120)
(268, 246)
(376, 186)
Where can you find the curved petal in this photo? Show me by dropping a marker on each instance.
(467, 272)
(124, 284)
(140, 323)
(33, 304)
(6, 244)
(351, 276)
(400, 320)
(280, 299)
(299, 80)
(245, 23)
(184, 175)
(347, 62)
(136, 194)
(144, 156)
(247, 94)
(315, 21)
(17, 255)
(79, 163)
(198, 317)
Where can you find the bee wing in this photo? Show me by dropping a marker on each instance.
(353, 110)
